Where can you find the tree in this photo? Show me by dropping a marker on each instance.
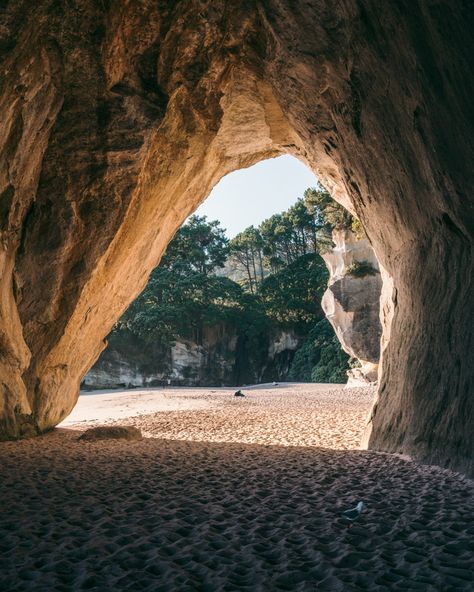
(292, 296)
(182, 295)
(178, 305)
(276, 232)
(328, 213)
(284, 283)
(198, 246)
(303, 226)
(246, 251)
(321, 358)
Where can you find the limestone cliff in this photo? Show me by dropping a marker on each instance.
(219, 359)
(119, 117)
(352, 301)
(185, 363)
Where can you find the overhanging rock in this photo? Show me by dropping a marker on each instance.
(119, 117)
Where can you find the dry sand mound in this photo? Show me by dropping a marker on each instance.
(115, 432)
(163, 515)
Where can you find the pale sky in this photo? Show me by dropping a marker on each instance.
(248, 196)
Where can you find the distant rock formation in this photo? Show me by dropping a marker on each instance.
(220, 358)
(352, 301)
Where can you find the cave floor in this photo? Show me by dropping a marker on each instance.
(186, 513)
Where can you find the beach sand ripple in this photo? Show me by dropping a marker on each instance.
(209, 515)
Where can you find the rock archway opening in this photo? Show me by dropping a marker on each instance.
(112, 138)
(235, 303)
(247, 291)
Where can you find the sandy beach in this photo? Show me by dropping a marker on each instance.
(286, 414)
(228, 494)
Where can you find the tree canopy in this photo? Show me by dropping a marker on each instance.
(199, 246)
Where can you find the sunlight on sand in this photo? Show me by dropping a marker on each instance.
(287, 415)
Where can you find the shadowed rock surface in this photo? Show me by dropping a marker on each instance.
(219, 358)
(117, 121)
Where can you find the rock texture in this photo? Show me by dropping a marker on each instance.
(119, 117)
(219, 359)
(352, 301)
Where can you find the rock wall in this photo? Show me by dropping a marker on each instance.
(219, 359)
(352, 301)
(119, 117)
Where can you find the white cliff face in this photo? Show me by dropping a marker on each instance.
(184, 363)
(352, 301)
(186, 359)
(284, 341)
(347, 250)
(113, 373)
(191, 362)
(216, 360)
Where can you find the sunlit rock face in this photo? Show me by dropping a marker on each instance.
(352, 301)
(118, 117)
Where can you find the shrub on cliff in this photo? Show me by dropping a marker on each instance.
(361, 269)
(321, 358)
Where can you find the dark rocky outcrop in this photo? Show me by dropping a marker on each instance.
(220, 358)
(119, 117)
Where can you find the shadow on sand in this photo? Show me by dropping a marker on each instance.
(164, 515)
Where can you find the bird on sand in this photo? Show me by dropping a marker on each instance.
(354, 513)
(239, 393)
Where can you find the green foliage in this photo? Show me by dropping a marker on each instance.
(332, 366)
(289, 235)
(246, 251)
(361, 269)
(357, 229)
(321, 358)
(198, 246)
(292, 296)
(329, 213)
(182, 296)
(174, 304)
(280, 240)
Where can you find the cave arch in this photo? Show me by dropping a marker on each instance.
(119, 119)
